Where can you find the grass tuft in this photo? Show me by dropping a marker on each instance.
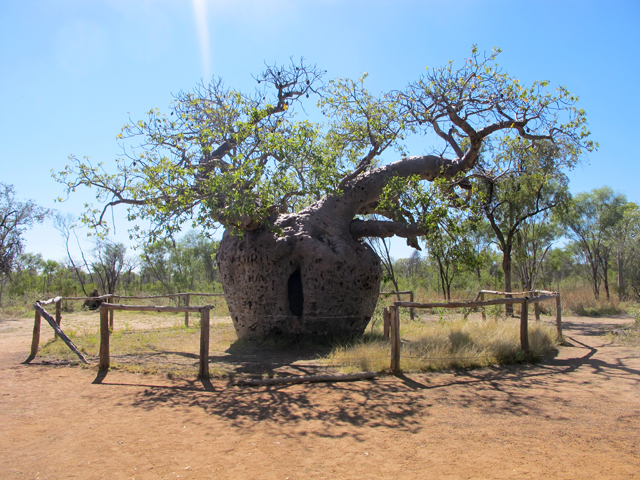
(582, 303)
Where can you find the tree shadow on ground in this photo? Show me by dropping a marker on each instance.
(599, 366)
(333, 407)
(398, 402)
(592, 327)
(360, 404)
(515, 389)
(287, 358)
(242, 359)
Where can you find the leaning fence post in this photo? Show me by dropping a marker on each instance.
(186, 314)
(394, 323)
(559, 316)
(484, 311)
(58, 314)
(35, 342)
(204, 343)
(104, 338)
(524, 325)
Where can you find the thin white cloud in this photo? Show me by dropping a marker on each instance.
(202, 25)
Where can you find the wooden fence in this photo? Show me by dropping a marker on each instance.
(404, 292)
(55, 324)
(187, 300)
(106, 321)
(391, 315)
(106, 315)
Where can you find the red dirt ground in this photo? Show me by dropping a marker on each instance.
(576, 415)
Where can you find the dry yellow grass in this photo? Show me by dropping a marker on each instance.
(149, 342)
(145, 342)
(581, 302)
(448, 342)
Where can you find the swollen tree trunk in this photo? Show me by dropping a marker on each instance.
(313, 278)
(310, 273)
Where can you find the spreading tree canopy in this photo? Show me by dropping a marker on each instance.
(296, 197)
(224, 157)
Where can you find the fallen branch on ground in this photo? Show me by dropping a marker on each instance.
(309, 379)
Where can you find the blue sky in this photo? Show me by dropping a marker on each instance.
(72, 70)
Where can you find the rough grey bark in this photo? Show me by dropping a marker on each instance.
(314, 278)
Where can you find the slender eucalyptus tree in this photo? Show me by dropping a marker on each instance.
(522, 182)
(591, 222)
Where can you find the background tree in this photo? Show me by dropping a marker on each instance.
(481, 238)
(523, 181)
(451, 247)
(291, 194)
(533, 243)
(15, 218)
(109, 263)
(558, 265)
(155, 263)
(65, 224)
(622, 235)
(591, 221)
(25, 274)
(193, 260)
(415, 271)
(629, 249)
(49, 268)
(183, 265)
(382, 247)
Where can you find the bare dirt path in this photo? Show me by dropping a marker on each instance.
(576, 415)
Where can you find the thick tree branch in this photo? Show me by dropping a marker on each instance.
(384, 229)
(367, 188)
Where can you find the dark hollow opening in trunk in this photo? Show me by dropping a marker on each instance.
(296, 297)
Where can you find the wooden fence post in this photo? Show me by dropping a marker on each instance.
(114, 300)
(104, 339)
(536, 307)
(58, 315)
(385, 322)
(186, 314)
(204, 343)
(524, 325)
(559, 316)
(484, 309)
(411, 310)
(394, 322)
(35, 341)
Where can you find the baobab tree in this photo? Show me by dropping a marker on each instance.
(294, 196)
